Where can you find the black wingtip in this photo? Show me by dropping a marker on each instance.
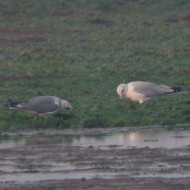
(10, 103)
(7, 104)
(177, 89)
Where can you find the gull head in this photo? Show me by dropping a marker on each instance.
(65, 105)
(121, 90)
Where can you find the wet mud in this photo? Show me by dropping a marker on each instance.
(95, 159)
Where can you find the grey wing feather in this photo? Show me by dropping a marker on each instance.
(151, 90)
(41, 104)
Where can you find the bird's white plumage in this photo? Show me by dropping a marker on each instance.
(140, 91)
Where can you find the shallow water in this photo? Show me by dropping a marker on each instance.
(57, 155)
(138, 139)
(152, 138)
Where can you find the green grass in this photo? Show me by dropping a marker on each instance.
(81, 50)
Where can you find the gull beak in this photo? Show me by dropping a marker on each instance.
(69, 108)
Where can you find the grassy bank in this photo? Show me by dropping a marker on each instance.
(81, 50)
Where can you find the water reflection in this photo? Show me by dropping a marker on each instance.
(155, 139)
(139, 139)
(142, 138)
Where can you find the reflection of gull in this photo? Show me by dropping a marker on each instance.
(129, 137)
(122, 139)
(139, 91)
(133, 137)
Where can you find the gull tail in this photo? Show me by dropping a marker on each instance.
(177, 89)
(13, 105)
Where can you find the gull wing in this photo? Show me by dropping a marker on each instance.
(41, 104)
(150, 89)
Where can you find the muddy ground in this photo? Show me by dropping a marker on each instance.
(46, 161)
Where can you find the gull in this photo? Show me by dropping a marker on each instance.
(41, 105)
(139, 91)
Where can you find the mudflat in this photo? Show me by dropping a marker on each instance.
(68, 159)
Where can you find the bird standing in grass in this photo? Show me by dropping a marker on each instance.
(140, 91)
(41, 105)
